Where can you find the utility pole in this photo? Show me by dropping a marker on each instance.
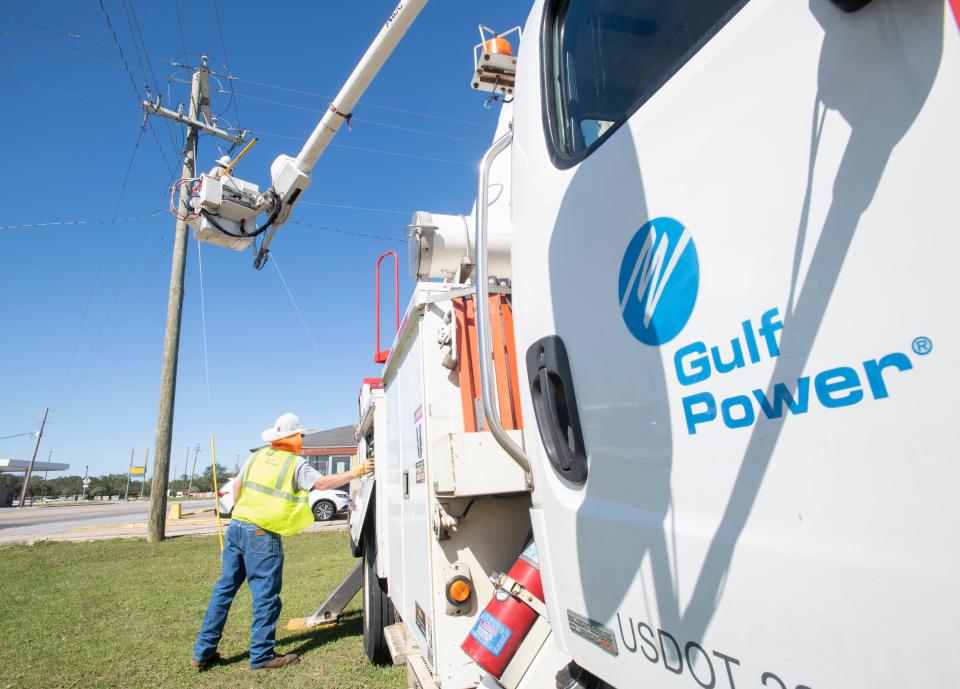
(33, 459)
(86, 481)
(143, 481)
(199, 108)
(126, 491)
(193, 471)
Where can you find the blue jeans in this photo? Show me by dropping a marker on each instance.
(256, 555)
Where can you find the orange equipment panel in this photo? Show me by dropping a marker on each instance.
(504, 362)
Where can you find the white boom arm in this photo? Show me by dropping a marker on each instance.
(290, 176)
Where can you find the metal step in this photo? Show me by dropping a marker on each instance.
(418, 674)
(400, 643)
(337, 601)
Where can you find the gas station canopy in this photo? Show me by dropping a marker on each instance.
(17, 465)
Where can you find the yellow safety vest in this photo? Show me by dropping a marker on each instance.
(269, 496)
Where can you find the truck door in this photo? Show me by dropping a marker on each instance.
(731, 221)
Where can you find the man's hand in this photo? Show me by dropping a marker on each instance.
(365, 467)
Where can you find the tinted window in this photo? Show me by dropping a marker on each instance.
(604, 58)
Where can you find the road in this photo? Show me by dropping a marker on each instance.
(59, 520)
(120, 519)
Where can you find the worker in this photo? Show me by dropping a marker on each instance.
(217, 170)
(271, 494)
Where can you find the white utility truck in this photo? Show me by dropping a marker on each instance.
(672, 406)
(695, 338)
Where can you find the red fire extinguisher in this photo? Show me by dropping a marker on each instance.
(502, 626)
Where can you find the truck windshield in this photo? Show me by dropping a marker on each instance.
(605, 58)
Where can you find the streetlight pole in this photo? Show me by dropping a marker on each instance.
(83, 494)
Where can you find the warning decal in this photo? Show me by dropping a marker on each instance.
(491, 633)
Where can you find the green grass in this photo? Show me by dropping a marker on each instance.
(124, 613)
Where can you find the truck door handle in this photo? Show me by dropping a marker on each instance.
(555, 406)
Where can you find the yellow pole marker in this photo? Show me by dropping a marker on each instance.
(216, 491)
(226, 170)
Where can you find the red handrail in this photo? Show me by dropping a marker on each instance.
(381, 356)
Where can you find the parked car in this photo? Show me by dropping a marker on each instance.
(325, 504)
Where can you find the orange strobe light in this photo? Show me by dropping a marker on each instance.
(498, 46)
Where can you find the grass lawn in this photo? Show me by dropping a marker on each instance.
(124, 613)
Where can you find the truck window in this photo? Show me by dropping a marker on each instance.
(603, 59)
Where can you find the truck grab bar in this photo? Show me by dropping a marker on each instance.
(483, 309)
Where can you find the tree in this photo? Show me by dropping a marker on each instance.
(65, 485)
(204, 483)
(108, 485)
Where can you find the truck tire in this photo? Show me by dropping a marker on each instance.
(377, 609)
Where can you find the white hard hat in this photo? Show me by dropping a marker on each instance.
(287, 424)
(223, 160)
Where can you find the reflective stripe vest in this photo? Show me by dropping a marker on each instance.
(269, 496)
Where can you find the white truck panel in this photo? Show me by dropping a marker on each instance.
(812, 156)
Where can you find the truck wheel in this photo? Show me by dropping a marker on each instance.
(377, 609)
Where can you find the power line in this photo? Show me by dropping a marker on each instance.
(134, 23)
(271, 135)
(18, 435)
(123, 58)
(293, 301)
(39, 87)
(103, 253)
(53, 29)
(226, 63)
(87, 366)
(363, 120)
(353, 208)
(183, 41)
(388, 108)
(338, 230)
(69, 223)
(263, 84)
(133, 83)
(368, 149)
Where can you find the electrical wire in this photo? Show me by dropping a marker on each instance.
(293, 301)
(206, 377)
(145, 63)
(388, 108)
(226, 63)
(355, 119)
(69, 223)
(368, 149)
(353, 208)
(100, 260)
(133, 23)
(39, 87)
(338, 230)
(133, 83)
(89, 365)
(19, 435)
(183, 40)
(262, 84)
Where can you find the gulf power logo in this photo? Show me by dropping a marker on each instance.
(659, 278)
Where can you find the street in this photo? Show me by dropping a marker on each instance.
(77, 519)
(120, 519)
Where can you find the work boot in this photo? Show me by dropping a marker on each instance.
(278, 662)
(211, 659)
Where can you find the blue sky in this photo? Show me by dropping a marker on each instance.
(84, 305)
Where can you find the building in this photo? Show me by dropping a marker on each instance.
(331, 451)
